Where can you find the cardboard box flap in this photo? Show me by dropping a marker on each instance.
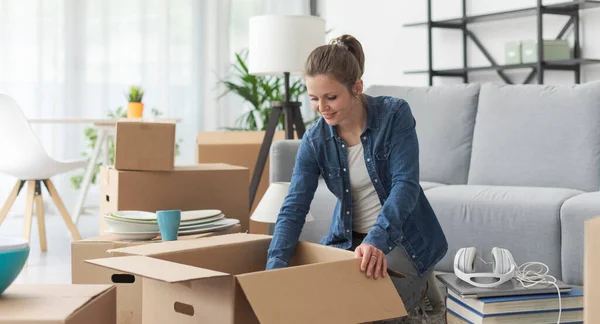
(186, 245)
(156, 269)
(45, 303)
(357, 298)
(54, 291)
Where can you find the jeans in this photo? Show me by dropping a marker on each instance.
(412, 288)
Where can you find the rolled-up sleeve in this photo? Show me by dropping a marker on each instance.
(296, 205)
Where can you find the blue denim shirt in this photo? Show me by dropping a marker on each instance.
(392, 156)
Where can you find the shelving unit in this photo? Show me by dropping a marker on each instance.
(570, 9)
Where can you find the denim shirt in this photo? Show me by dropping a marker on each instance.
(391, 153)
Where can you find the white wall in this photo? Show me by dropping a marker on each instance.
(391, 49)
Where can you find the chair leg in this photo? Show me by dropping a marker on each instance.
(39, 211)
(28, 210)
(11, 199)
(62, 210)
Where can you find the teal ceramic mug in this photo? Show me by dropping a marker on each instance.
(168, 224)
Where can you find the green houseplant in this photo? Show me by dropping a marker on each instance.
(259, 92)
(135, 107)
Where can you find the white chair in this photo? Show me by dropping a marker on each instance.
(23, 157)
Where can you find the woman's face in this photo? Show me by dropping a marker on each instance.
(330, 98)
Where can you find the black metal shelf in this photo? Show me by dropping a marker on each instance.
(549, 65)
(570, 9)
(565, 8)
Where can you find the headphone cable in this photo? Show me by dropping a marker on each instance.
(529, 278)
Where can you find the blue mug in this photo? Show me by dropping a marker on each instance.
(168, 224)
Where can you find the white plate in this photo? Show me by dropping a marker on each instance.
(133, 215)
(191, 215)
(123, 225)
(206, 225)
(135, 236)
(202, 221)
(228, 222)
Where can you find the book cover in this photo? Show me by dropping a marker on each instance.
(522, 303)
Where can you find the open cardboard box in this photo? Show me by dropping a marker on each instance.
(129, 287)
(66, 304)
(221, 279)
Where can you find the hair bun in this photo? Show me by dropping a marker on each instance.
(352, 44)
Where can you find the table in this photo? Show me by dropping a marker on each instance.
(105, 128)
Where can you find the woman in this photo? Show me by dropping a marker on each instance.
(367, 151)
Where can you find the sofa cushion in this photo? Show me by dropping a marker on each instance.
(540, 136)
(523, 220)
(428, 185)
(573, 214)
(445, 117)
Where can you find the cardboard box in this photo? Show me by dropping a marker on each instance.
(67, 304)
(591, 269)
(204, 186)
(222, 280)
(129, 287)
(238, 148)
(145, 146)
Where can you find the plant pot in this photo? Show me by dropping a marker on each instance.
(135, 110)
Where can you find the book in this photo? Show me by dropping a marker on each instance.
(455, 319)
(469, 315)
(510, 288)
(523, 303)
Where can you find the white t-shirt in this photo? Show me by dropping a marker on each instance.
(365, 202)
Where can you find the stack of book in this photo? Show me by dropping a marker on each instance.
(511, 303)
(515, 309)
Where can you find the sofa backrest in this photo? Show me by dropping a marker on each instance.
(534, 135)
(445, 117)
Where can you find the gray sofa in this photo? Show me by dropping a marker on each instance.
(513, 166)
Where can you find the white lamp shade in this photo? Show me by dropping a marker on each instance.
(269, 206)
(279, 44)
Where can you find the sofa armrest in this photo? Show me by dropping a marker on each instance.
(283, 159)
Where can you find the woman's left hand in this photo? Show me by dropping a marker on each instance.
(373, 260)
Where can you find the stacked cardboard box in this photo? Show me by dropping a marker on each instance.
(144, 177)
(238, 148)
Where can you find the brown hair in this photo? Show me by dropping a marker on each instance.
(343, 58)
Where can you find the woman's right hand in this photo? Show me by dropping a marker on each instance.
(373, 261)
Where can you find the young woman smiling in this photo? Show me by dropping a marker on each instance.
(367, 151)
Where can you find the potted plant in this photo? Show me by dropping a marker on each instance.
(135, 107)
(259, 92)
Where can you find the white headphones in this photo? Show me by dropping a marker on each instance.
(503, 267)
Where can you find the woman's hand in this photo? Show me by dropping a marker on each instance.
(373, 260)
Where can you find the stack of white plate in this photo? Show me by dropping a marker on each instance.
(140, 225)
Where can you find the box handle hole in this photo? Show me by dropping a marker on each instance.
(123, 278)
(107, 198)
(184, 309)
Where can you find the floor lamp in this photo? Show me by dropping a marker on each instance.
(279, 45)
